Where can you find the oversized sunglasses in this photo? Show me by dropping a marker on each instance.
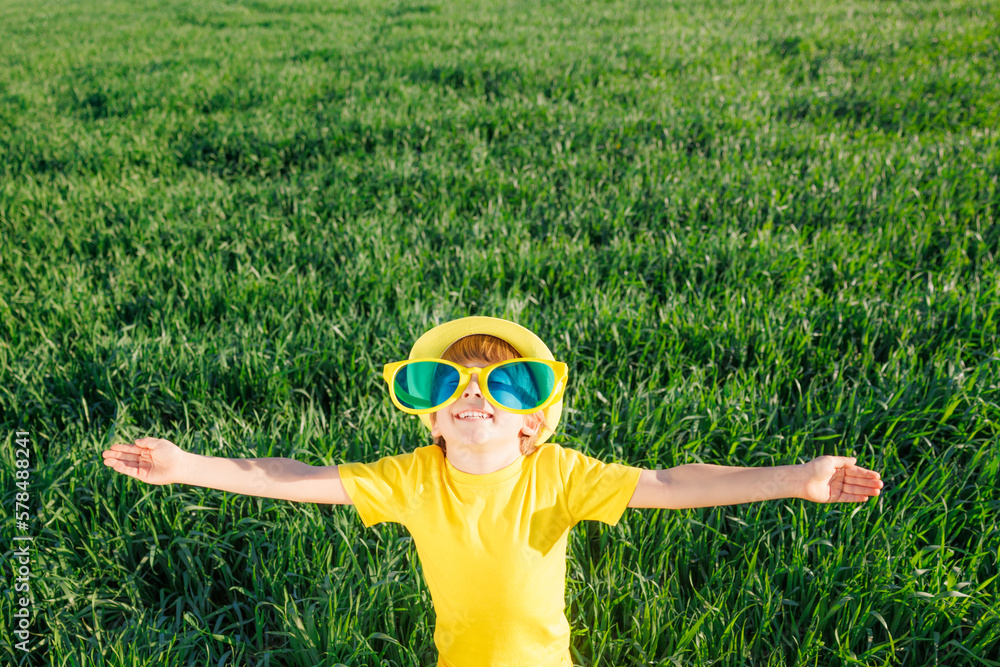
(521, 386)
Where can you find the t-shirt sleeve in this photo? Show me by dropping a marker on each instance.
(595, 490)
(380, 490)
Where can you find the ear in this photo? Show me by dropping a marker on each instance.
(435, 431)
(531, 424)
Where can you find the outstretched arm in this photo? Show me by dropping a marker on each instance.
(158, 461)
(826, 479)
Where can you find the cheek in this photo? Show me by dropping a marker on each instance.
(507, 420)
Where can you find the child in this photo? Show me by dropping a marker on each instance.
(490, 504)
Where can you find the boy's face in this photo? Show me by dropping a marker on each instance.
(472, 420)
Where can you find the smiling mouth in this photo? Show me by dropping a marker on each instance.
(471, 415)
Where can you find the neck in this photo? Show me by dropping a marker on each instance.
(483, 459)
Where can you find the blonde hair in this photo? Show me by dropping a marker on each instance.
(486, 350)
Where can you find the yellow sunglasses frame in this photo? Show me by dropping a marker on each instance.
(559, 369)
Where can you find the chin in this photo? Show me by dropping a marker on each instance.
(474, 438)
(477, 434)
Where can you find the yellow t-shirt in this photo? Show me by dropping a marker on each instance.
(493, 547)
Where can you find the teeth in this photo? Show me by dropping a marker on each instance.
(473, 415)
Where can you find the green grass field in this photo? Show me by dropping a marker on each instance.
(756, 232)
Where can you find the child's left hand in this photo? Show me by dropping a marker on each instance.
(835, 479)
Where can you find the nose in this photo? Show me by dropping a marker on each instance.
(472, 389)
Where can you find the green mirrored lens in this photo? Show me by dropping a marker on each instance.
(522, 385)
(423, 385)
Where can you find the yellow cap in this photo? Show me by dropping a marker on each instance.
(434, 343)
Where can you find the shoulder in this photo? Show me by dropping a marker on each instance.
(551, 451)
(548, 453)
(428, 453)
(399, 465)
(551, 456)
(430, 457)
(572, 463)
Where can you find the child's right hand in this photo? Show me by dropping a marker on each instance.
(151, 460)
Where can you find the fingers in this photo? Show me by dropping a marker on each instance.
(849, 462)
(125, 459)
(111, 458)
(120, 448)
(113, 455)
(121, 453)
(125, 451)
(852, 471)
(867, 481)
(130, 468)
(854, 498)
(865, 490)
(858, 489)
